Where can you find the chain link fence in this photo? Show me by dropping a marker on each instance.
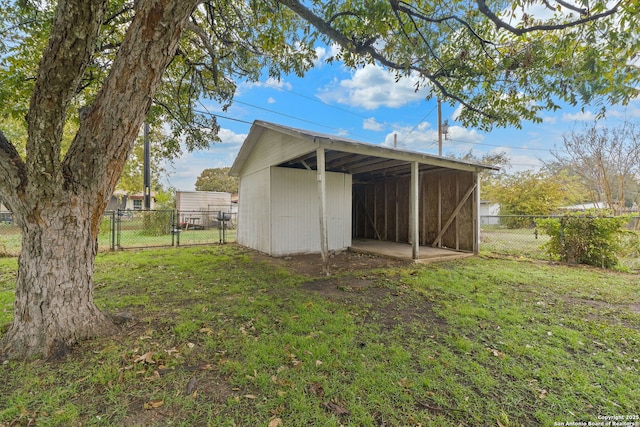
(517, 235)
(513, 235)
(133, 229)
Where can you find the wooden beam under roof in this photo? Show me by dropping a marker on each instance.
(371, 163)
(381, 165)
(344, 159)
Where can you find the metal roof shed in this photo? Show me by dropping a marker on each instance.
(306, 192)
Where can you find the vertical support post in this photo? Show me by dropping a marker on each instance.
(476, 214)
(439, 128)
(440, 208)
(395, 218)
(456, 222)
(322, 199)
(414, 210)
(147, 169)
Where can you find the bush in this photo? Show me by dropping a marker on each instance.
(584, 238)
(156, 223)
(105, 225)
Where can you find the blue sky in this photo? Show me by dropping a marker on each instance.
(367, 105)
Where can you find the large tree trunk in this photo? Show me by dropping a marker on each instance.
(54, 305)
(58, 204)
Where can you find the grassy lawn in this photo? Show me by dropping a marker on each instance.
(11, 240)
(222, 336)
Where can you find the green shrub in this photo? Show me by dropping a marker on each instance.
(584, 238)
(105, 225)
(156, 223)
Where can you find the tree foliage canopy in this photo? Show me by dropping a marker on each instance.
(504, 61)
(527, 193)
(217, 179)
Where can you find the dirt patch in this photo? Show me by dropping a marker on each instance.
(341, 262)
(353, 281)
(384, 301)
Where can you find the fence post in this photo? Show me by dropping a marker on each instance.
(113, 230)
(174, 227)
(118, 228)
(178, 229)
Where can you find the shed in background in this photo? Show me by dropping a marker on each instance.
(200, 209)
(306, 192)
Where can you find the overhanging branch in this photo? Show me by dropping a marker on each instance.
(486, 11)
(13, 175)
(367, 49)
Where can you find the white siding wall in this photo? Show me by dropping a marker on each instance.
(253, 211)
(274, 148)
(295, 224)
(203, 200)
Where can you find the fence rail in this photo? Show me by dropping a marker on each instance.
(514, 235)
(132, 229)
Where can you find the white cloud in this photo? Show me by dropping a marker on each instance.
(322, 54)
(372, 124)
(456, 114)
(372, 87)
(270, 83)
(631, 111)
(271, 100)
(580, 116)
(424, 138)
(185, 170)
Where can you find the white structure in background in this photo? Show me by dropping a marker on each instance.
(125, 201)
(489, 213)
(305, 192)
(198, 209)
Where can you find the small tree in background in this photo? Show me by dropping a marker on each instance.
(608, 161)
(526, 193)
(217, 179)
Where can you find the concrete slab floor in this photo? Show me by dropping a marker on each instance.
(403, 251)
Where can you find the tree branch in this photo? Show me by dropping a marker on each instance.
(368, 49)
(485, 10)
(108, 130)
(73, 38)
(13, 177)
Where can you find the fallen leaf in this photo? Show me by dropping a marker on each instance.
(405, 383)
(543, 394)
(336, 408)
(276, 422)
(318, 363)
(317, 389)
(145, 358)
(152, 404)
(496, 352)
(250, 396)
(192, 385)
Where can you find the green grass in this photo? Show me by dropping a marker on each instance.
(11, 240)
(223, 336)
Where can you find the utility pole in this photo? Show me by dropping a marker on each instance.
(147, 169)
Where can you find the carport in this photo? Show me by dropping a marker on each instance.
(389, 195)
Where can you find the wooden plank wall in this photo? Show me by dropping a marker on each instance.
(381, 210)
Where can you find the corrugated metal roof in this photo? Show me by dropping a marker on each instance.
(366, 162)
